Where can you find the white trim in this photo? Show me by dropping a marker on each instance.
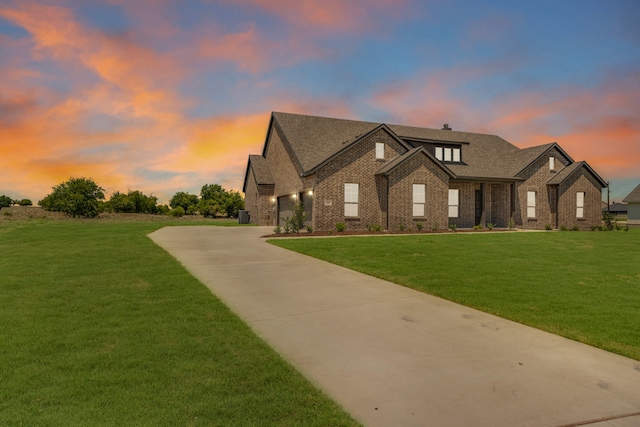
(351, 193)
(419, 191)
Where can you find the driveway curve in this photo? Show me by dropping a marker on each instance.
(392, 356)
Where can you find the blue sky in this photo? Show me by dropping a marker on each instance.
(166, 96)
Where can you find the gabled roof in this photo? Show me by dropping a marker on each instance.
(569, 170)
(531, 154)
(261, 171)
(312, 141)
(358, 138)
(634, 196)
(390, 166)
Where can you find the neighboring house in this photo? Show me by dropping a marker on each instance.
(363, 174)
(616, 208)
(633, 207)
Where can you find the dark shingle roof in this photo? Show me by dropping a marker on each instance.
(313, 140)
(261, 170)
(634, 196)
(564, 173)
(388, 167)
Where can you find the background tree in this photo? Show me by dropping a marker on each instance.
(188, 202)
(5, 201)
(24, 202)
(132, 202)
(75, 197)
(233, 203)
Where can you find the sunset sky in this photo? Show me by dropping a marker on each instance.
(164, 96)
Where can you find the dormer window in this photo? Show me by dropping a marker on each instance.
(380, 150)
(448, 154)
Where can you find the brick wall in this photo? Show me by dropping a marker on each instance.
(583, 181)
(258, 201)
(537, 175)
(418, 170)
(355, 165)
(499, 210)
(283, 169)
(467, 207)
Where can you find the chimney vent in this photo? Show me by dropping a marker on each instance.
(446, 127)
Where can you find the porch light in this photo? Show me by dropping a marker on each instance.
(294, 195)
(311, 192)
(273, 200)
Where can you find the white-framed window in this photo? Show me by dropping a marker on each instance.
(454, 202)
(418, 199)
(456, 155)
(379, 150)
(552, 163)
(351, 199)
(531, 204)
(448, 154)
(580, 204)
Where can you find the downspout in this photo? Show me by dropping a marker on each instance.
(387, 201)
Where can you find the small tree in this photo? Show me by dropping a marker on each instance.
(24, 202)
(75, 197)
(184, 200)
(233, 202)
(5, 201)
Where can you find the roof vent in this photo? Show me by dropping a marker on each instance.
(446, 127)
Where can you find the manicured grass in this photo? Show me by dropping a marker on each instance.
(584, 286)
(102, 327)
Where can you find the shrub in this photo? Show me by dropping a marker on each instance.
(5, 201)
(609, 220)
(309, 229)
(75, 197)
(548, 227)
(177, 212)
(575, 228)
(374, 228)
(299, 216)
(477, 227)
(490, 226)
(419, 226)
(511, 223)
(340, 227)
(277, 229)
(436, 226)
(563, 228)
(401, 227)
(287, 225)
(185, 201)
(453, 227)
(162, 209)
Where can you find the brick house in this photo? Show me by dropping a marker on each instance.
(364, 173)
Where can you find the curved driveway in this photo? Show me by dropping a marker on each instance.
(392, 356)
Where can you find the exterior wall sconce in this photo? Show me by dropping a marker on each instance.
(273, 200)
(311, 192)
(295, 196)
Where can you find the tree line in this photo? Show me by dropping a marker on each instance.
(6, 201)
(83, 197)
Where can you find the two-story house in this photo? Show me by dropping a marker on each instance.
(364, 173)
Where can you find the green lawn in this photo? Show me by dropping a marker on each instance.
(584, 286)
(99, 326)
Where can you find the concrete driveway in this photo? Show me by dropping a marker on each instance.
(392, 356)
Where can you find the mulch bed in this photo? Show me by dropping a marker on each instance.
(382, 233)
